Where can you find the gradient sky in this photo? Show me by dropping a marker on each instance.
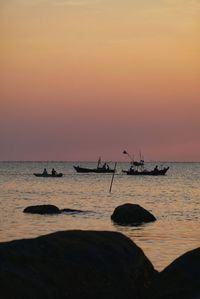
(83, 78)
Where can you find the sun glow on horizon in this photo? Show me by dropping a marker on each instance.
(85, 78)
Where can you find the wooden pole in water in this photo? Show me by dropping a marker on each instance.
(113, 177)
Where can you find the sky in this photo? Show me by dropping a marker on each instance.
(81, 79)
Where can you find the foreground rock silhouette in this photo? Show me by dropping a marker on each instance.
(131, 214)
(180, 280)
(74, 264)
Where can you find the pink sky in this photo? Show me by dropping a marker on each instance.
(82, 78)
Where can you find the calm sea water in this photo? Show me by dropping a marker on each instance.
(174, 199)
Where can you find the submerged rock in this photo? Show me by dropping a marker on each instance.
(131, 214)
(180, 280)
(74, 264)
(71, 211)
(42, 209)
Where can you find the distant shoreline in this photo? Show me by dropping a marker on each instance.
(87, 161)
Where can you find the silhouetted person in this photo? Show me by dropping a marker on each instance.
(53, 172)
(104, 165)
(156, 168)
(45, 171)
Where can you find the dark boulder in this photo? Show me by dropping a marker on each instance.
(42, 209)
(180, 280)
(131, 214)
(49, 209)
(72, 265)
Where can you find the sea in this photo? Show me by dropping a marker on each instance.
(174, 199)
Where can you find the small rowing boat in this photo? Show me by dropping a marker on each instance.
(48, 175)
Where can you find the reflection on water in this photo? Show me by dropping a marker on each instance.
(173, 199)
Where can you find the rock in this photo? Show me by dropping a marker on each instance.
(42, 209)
(180, 280)
(49, 209)
(72, 265)
(131, 214)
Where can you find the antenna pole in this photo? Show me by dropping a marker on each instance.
(112, 177)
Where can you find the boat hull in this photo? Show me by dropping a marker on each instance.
(147, 172)
(93, 170)
(49, 175)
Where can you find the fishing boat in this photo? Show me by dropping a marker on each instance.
(105, 168)
(95, 170)
(133, 162)
(154, 172)
(137, 168)
(48, 175)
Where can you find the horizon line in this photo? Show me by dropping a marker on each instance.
(108, 161)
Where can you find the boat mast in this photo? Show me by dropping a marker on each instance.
(132, 158)
(99, 162)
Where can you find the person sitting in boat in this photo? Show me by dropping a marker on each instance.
(156, 168)
(104, 165)
(45, 171)
(53, 172)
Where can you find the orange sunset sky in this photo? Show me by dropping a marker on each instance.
(83, 78)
